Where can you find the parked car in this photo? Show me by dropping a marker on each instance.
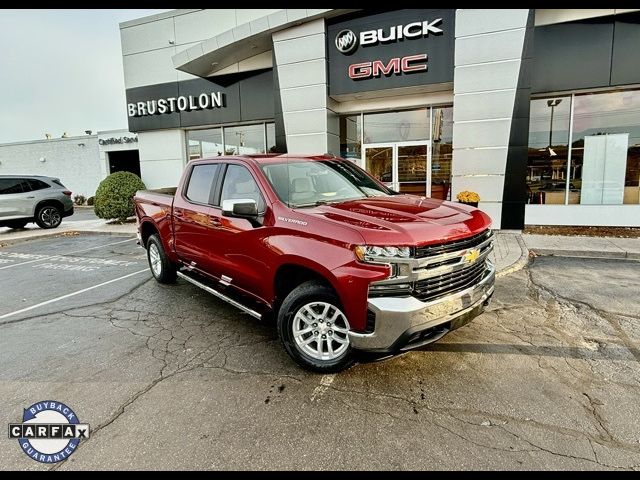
(339, 260)
(25, 199)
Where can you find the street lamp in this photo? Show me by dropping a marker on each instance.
(240, 140)
(553, 104)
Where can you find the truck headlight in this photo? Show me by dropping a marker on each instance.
(367, 253)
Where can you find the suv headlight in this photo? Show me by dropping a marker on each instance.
(366, 253)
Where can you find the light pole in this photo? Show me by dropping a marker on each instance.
(240, 140)
(553, 104)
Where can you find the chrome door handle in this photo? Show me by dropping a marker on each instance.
(31, 196)
(214, 221)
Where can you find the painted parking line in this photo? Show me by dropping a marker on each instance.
(47, 257)
(73, 294)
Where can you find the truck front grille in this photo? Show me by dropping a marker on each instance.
(435, 287)
(440, 248)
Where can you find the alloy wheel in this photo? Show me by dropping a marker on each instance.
(320, 330)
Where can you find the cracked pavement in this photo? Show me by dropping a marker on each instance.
(169, 377)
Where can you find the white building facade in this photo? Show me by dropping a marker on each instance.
(80, 162)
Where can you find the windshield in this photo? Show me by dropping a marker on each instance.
(309, 183)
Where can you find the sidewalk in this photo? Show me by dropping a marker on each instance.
(512, 247)
(579, 246)
(81, 226)
(509, 252)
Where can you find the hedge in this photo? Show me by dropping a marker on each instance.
(114, 196)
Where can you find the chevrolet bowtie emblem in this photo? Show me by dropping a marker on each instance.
(471, 255)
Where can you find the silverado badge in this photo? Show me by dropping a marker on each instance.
(471, 255)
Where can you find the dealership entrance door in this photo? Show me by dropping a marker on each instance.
(402, 166)
(124, 161)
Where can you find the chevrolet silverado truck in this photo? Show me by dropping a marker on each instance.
(340, 262)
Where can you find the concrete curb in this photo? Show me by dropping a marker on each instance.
(621, 255)
(518, 264)
(62, 233)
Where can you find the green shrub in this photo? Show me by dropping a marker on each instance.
(79, 199)
(91, 201)
(114, 196)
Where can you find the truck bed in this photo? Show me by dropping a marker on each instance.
(156, 205)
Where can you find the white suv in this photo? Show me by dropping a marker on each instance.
(25, 199)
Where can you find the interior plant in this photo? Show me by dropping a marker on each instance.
(469, 198)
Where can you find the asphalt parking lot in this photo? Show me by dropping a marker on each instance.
(170, 377)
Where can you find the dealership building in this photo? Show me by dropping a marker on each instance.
(537, 111)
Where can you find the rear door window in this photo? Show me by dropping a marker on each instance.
(10, 185)
(201, 182)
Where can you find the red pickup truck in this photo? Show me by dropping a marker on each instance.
(340, 261)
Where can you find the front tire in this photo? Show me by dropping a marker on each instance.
(313, 329)
(162, 269)
(49, 216)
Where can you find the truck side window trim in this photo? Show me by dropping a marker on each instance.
(217, 188)
(185, 188)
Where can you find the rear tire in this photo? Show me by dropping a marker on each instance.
(16, 224)
(162, 269)
(313, 329)
(48, 216)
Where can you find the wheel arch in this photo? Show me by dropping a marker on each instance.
(49, 202)
(295, 272)
(148, 228)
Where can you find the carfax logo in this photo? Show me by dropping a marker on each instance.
(50, 431)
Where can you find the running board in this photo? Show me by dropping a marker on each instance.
(221, 296)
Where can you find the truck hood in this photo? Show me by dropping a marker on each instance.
(406, 220)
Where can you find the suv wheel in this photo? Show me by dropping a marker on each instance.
(314, 329)
(163, 269)
(48, 216)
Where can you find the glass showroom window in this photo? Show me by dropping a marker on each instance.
(237, 140)
(351, 137)
(245, 139)
(205, 143)
(601, 165)
(401, 126)
(549, 151)
(441, 152)
(271, 138)
(605, 156)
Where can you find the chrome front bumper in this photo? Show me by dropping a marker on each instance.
(398, 320)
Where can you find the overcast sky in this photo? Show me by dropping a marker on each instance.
(61, 71)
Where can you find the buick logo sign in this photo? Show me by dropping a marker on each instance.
(346, 41)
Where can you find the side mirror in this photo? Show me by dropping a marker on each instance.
(241, 208)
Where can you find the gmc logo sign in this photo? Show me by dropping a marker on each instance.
(397, 66)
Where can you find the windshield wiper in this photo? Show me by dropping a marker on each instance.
(319, 202)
